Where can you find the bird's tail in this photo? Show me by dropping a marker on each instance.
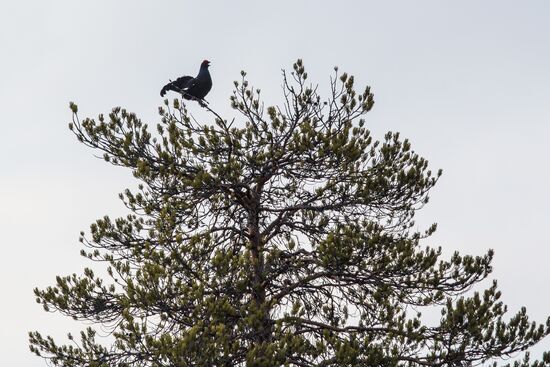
(165, 89)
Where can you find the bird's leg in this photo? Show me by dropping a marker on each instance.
(184, 93)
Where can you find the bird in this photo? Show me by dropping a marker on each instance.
(192, 88)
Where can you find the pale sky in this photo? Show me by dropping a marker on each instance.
(468, 82)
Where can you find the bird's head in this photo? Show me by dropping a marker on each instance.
(205, 64)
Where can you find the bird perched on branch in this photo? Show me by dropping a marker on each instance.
(192, 88)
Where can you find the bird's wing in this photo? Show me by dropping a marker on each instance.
(184, 82)
(178, 85)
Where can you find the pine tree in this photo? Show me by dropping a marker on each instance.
(282, 238)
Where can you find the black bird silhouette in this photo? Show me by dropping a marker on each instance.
(192, 88)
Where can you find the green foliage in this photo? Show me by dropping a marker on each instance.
(282, 238)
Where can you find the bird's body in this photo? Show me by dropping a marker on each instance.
(191, 88)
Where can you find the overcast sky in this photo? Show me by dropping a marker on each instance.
(468, 82)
